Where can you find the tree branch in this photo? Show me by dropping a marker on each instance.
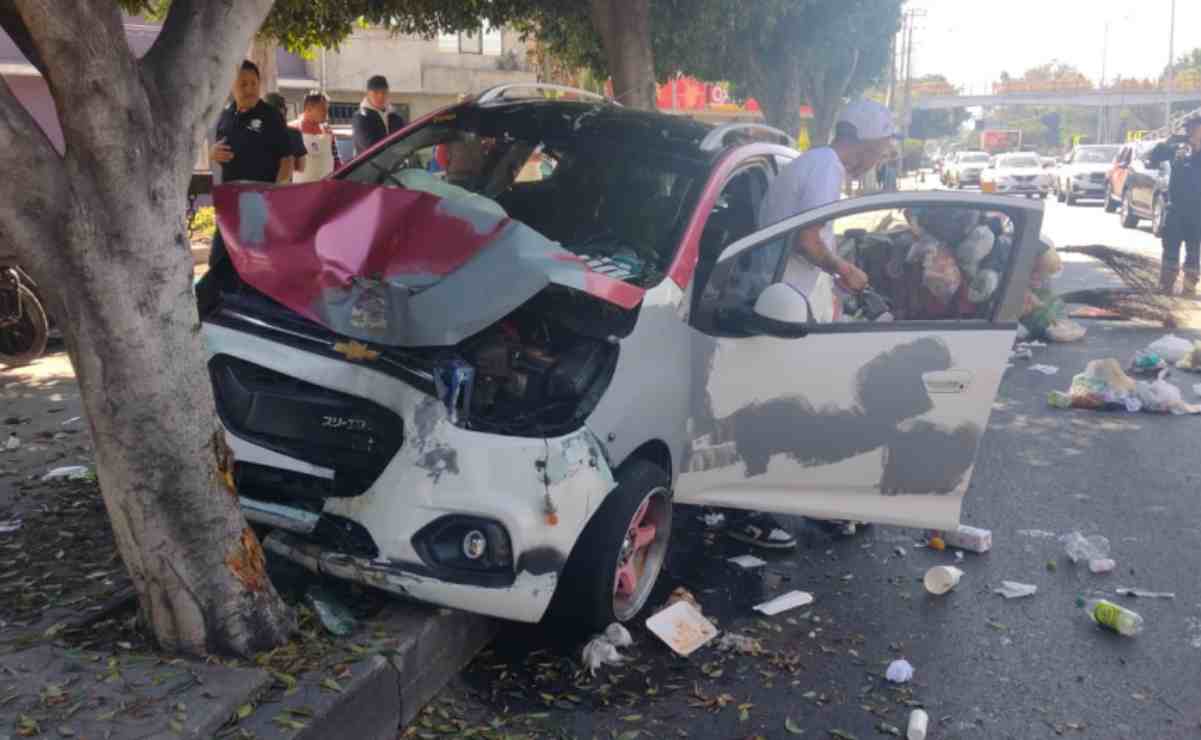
(14, 25)
(193, 60)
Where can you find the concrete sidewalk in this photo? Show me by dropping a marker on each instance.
(387, 670)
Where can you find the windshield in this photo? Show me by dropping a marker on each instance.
(604, 185)
(973, 158)
(1014, 163)
(1099, 155)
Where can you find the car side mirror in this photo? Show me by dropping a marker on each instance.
(782, 311)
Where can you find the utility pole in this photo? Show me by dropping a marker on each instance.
(890, 95)
(1103, 112)
(911, 17)
(1167, 120)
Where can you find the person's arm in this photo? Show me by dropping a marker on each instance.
(363, 140)
(286, 167)
(809, 244)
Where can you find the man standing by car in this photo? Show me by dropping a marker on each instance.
(318, 139)
(252, 139)
(863, 136)
(375, 118)
(1182, 224)
(299, 153)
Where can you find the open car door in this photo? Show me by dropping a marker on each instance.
(855, 418)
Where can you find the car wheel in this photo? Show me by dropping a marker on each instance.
(616, 561)
(1157, 214)
(1110, 204)
(1129, 217)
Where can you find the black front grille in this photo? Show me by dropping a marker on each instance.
(1097, 177)
(353, 436)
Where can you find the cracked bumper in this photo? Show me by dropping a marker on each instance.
(439, 470)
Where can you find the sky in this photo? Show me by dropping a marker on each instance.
(972, 41)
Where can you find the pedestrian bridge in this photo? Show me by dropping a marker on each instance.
(1083, 98)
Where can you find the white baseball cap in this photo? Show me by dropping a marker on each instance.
(870, 119)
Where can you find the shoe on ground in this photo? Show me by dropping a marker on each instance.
(760, 530)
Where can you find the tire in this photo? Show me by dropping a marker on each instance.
(1110, 205)
(1157, 217)
(1129, 217)
(25, 341)
(588, 595)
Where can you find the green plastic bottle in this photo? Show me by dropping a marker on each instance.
(1114, 617)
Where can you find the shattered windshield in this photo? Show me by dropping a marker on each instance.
(603, 186)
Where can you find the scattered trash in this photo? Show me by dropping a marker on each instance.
(748, 561)
(599, 652)
(12, 525)
(899, 671)
(713, 520)
(333, 614)
(682, 627)
(1021, 354)
(1044, 369)
(739, 643)
(1114, 617)
(1031, 345)
(1197, 389)
(941, 579)
(1161, 397)
(959, 556)
(1102, 565)
(783, 603)
(1015, 590)
(1192, 361)
(69, 472)
(1141, 594)
(1171, 348)
(602, 649)
(617, 634)
(1146, 363)
(1036, 533)
(919, 721)
(969, 538)
(12, 443)
(1102, 385)
(682, 594)
(899, 551)
(1051, 566)
(936, 543)
(1078, 547)
(72, 420)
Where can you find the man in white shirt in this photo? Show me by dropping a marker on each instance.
(863, 136)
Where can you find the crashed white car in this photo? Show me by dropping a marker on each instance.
(1016, 174)
(481, 364)
(1085, 173)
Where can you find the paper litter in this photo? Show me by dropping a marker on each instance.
(899, 671)
(790, 600)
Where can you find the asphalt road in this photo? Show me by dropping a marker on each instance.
(985, 667)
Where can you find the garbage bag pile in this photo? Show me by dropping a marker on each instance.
(1105, 386)
(1044, 314)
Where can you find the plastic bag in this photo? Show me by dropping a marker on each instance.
(983, 286)
(1064, 330)
(940, 274)
(1171, 348)
(1042, 309)
(1103, 384)
(1146, 363)
(948, 225)
(1161, 397)
(1078, 547)
(974, 249)
(1192, 361)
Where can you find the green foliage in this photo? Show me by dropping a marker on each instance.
(204, 223)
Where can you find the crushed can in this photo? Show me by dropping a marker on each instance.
(454, 382)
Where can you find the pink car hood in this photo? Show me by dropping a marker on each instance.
(394, 266)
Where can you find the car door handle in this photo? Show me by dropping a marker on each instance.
(947, 381)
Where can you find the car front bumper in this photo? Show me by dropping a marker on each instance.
(541, 491)
(1088, 189)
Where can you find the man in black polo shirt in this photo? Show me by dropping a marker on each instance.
(252, 137)
(1182, 223)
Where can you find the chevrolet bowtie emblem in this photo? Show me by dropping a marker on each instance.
(355, 351)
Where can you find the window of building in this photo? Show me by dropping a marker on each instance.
(485, 40)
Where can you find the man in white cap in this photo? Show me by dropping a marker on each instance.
(863, 137)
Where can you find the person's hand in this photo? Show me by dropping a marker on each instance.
(851, 277)
(221, 153)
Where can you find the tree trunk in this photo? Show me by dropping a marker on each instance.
(624, 27)
(102, 227)
(262, 53)
(781, 100)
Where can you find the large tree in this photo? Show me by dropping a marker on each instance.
(101, 227)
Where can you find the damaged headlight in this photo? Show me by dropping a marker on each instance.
(465, 543)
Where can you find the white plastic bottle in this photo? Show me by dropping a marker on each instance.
(1114, 617)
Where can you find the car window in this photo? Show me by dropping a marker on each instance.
(1018, 162)
(974, 158)
(1100, 155)
(605, 198)
(934, 263)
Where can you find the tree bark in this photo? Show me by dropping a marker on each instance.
(825, 87)
(262, 53)
(624, 27)
(102, 227)
(780, 99)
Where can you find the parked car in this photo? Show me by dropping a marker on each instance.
(1136, 189)
(1084, 173)
(491, 396)
(1021, 173)
(966, 169)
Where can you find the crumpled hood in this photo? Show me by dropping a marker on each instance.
(394, 266)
